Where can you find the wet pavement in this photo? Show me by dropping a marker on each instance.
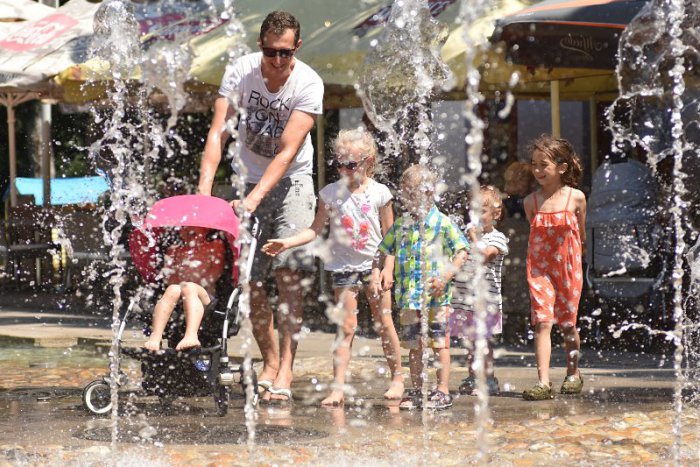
(624, 417)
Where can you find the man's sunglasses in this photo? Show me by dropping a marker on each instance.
(270, 52)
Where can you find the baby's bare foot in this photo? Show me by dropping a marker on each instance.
(395, 390)
(152, 344)
(334, 399)
(187, 343)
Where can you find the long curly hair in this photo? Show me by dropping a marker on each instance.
(559, 151)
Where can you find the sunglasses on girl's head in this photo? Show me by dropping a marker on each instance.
(270, 52)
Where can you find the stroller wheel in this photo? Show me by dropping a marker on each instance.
(221, 398)
(97, 397)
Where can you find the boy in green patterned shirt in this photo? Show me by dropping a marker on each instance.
(429, 250)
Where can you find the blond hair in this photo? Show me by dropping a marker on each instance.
(492, 197)
(420, 175)
(359, 138)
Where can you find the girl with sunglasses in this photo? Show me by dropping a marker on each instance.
(360, 213)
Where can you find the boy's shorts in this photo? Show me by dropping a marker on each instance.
(288, 208)
(463, 324)
(438, 330)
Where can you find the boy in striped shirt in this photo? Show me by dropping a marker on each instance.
(493, 246)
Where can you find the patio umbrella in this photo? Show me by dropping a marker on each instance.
(564, 40)
(13, 12)
(336, 36)
(45, 46)
(32, 52)
(567, 33)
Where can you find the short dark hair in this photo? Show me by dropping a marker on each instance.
(279, 21)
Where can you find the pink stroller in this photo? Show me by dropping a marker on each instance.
(206, 370)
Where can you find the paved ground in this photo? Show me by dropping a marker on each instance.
(625, 415)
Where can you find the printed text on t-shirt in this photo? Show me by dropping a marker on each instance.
(265, 124)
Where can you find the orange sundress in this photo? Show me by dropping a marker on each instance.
(554, 271)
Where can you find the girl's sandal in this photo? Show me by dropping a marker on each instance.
(280, 392)
(264, 385)
(539, 392)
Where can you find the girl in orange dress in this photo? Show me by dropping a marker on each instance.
(557, 216)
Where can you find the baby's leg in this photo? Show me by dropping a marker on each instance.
(161, 314)
(347, 300)
(381, 311)
(194, 298)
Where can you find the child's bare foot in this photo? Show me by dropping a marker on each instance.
(152, 344)
(335, 399)
(187, 343)
(395, 390)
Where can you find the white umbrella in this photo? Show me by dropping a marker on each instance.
(45, 46)
(13, 12)
(34, 51)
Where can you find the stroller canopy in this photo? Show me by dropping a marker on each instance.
(180, 211)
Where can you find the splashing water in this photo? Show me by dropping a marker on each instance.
(658, 75)
(116, 40)
(165, 66)
(402, 110)
(470, 12)
(397, 83)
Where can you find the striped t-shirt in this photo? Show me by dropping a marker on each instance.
(462, 299)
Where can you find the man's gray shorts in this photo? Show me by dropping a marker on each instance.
(287, 209)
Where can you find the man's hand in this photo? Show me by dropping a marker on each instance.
(247, 205)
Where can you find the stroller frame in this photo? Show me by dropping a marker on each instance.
(210, 369)
(627, 289)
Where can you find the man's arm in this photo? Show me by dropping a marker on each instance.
(298, 126)
(217, 137)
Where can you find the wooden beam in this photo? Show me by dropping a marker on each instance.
(556, 110)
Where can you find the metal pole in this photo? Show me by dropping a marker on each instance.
(46, 151)
(13, 154)
(321, 168)
(556, 116)
(593, 123)
(321, 150)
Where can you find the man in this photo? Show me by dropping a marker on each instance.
(278, 96)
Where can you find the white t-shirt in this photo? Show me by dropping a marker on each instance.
(355, 228)
(462, 298)
(267, 113)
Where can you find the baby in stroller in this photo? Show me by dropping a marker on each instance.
(191, 270)
(188, 246)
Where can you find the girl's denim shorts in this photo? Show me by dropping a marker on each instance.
(346, 279)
